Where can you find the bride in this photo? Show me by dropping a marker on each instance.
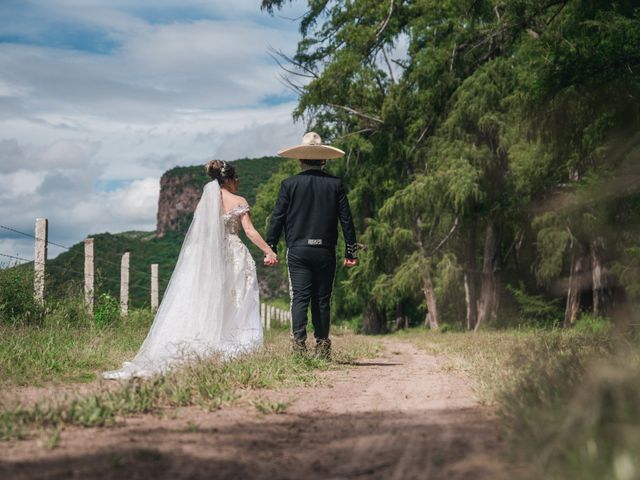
(211, 305)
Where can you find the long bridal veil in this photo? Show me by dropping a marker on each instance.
(189, 321)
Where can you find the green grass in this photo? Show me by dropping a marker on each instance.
(50, 438)
(569, 400)
(62, 351)
(209, 384)
(266, 406)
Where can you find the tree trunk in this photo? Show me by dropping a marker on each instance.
(573, 292)
(471, 302)
(402, 321)
(598, 278)
(431, 319)
(488, 303)
(470, 290)
(373, 320)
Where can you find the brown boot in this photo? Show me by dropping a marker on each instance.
(298, 347)
(323, 348)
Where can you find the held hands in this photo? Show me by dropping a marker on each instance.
(271, 259)
(350, 262)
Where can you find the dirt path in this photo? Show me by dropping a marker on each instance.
(401, 416)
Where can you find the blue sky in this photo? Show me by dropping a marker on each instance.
(99, 97)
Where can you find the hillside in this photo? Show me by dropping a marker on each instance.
(179, 187)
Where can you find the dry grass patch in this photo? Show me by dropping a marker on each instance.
(569, 399)
(210, 384)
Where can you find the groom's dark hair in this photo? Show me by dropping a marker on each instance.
(314, 163)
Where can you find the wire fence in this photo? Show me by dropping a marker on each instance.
(49, 242)
(268, 313)
(63, 269)
(76, 251)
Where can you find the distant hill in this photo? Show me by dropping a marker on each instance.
(181, 188)
(145, 249)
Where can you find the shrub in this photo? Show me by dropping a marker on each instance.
(17, 304)
(536, 309)
(451, 327)
(107, 310)
(69, 310)
(588, 324)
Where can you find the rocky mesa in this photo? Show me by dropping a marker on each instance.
(181, 188)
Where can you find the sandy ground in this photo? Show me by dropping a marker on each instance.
(400, 416)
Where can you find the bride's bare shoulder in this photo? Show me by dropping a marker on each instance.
(238, 201)
(232, 201)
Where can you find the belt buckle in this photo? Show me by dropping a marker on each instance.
(314, 241)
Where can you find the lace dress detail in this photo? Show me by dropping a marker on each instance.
(243, 283)
(232, 219)
(237, 256)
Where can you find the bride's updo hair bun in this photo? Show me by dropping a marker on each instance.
(220, 170)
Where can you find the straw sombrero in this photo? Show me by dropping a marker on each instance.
(311, 149)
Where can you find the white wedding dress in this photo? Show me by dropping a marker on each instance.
(211, 305)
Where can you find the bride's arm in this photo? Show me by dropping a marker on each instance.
(254, 236)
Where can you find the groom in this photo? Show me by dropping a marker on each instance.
(308, 208)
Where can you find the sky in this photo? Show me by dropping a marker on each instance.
(99, 97)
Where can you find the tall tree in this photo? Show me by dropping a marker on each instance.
(462, 119)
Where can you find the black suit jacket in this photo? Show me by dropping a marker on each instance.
(308, 208)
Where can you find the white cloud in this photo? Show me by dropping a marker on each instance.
(158, 70)
(64, 154)
(15, 247)
(259, 140)
(133, 206)
(87, 132)
(14, 186)
(11, 90)
(11, 156)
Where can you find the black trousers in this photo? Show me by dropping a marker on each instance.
(311, 274)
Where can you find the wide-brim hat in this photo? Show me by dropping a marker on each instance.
(311, 149)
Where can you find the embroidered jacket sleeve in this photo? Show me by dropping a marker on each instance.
(277, 220)
(346, 221)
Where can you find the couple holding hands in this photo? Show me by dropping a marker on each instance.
(211, 304)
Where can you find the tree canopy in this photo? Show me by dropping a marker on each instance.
(493, 152)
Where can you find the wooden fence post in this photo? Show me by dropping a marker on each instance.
(263, 314)
(269, 311)
(40, 259)
(89, 276)
(154, 287)
(124, 285)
